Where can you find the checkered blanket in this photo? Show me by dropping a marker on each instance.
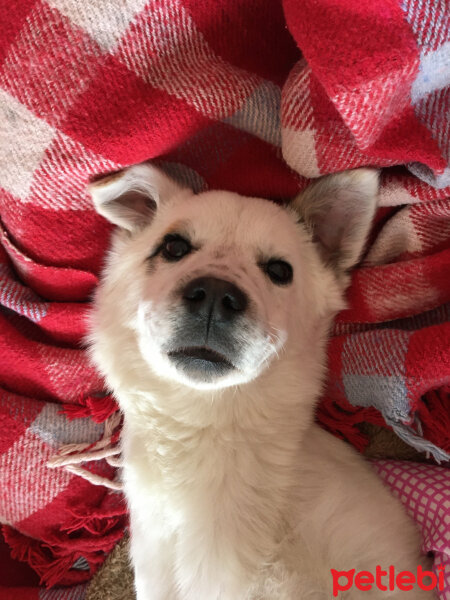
(220, 95)
(425, 493)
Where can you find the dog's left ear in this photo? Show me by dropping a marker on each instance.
(130, 198)
(338, 210)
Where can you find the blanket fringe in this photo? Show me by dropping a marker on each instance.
(71, 456)
(87, 538)
(99, 407)
(98, 522)
(408, 435)
(430, 435)
(48, 561)
(342, 421)
(434, 413)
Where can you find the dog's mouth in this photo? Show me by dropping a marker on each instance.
(201, 362)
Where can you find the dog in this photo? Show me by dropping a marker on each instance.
(210, 325)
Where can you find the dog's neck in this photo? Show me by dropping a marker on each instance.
(282, 394)
(238, 451)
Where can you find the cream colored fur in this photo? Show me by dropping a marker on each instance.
(234, 492)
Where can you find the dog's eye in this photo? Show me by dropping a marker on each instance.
(175, 247)
(279, 271)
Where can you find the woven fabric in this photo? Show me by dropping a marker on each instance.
(220, 95)
(425, 492)
(76, 592)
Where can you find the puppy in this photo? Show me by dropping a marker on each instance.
(210, 326)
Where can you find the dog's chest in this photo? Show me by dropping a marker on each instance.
(176, 463)
(211, 496)
(209, 487)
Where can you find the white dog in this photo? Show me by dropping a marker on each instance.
(210, 326)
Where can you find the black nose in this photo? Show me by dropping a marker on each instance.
(207, 296)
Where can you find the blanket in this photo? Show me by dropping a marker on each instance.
(253, 96)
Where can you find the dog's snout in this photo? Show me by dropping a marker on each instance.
(207, 295)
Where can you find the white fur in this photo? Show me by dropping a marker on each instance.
(234, 493)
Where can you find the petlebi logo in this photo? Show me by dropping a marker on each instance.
(387, 580)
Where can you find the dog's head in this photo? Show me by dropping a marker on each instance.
(208, 290)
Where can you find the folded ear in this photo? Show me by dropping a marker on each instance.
(338, 210)
(129, 198)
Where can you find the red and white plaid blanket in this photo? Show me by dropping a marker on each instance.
(219, 93)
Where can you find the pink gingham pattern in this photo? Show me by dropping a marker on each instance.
(425, 492)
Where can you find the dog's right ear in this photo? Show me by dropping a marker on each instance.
(130, 198)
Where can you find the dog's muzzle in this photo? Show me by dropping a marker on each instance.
(205, 345)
